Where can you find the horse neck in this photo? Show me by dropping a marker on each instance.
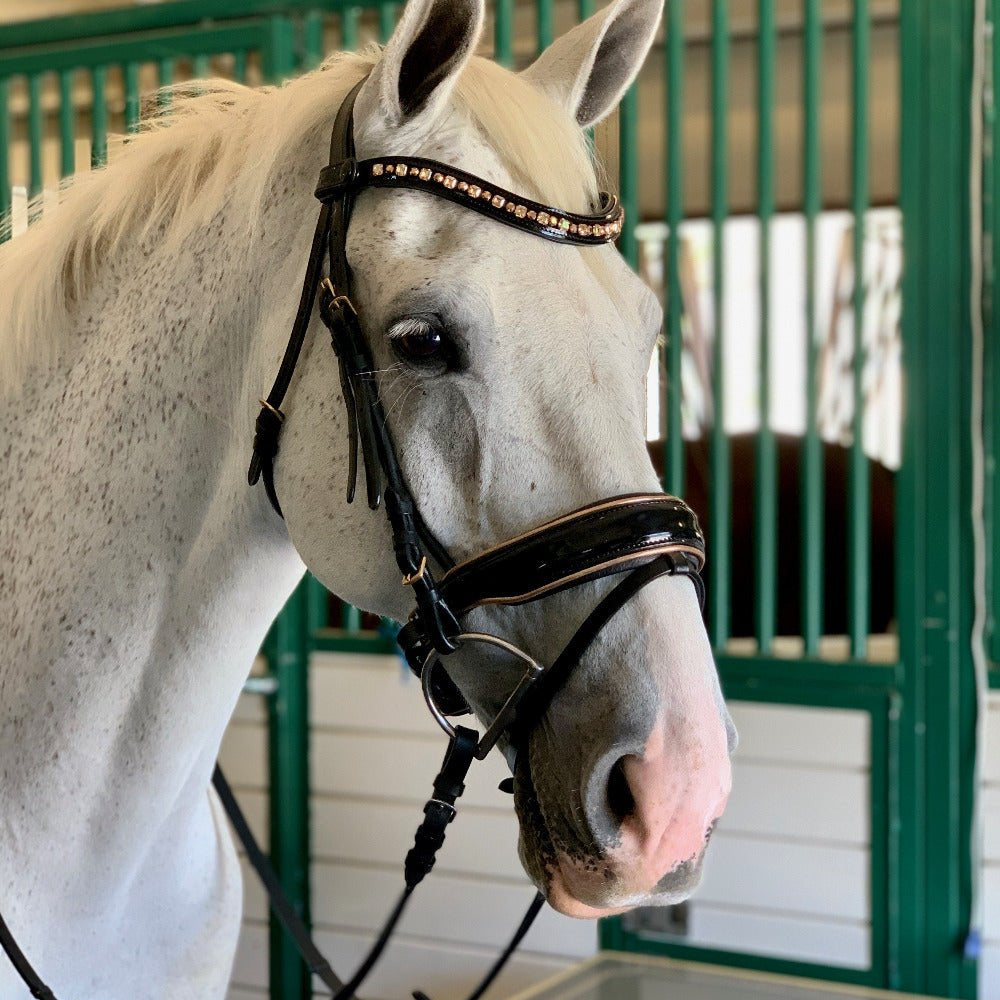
(144, 573)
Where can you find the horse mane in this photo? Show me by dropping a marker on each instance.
(175, 174)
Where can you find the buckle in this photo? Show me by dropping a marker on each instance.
(342, 302)
(411, 578)
(336, 179)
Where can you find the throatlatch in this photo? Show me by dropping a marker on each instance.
(639, 537)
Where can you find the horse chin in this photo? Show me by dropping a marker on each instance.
(587, 887)
(546, 866)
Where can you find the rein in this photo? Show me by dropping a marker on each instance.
(638, 537)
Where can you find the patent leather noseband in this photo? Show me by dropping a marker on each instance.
(635, 538)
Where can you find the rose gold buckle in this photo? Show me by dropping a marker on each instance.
(341, 301)
(411, 578)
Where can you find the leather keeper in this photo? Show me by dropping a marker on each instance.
(265, 441)
(336, 179)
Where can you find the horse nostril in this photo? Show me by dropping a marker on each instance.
(621, 802)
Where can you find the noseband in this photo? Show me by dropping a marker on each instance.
(636, 537)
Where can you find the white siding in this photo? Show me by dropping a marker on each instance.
(989, 966)
(787, 873)
(374, 754)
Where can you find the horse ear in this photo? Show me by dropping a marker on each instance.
(421, 62)
(588, 69)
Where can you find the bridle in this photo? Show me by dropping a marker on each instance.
(637, 537)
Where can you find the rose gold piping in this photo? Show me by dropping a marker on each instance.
(638, 499)
(657, 550)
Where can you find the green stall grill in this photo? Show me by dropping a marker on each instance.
(65, 83)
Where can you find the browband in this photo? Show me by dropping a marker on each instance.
(448, 182)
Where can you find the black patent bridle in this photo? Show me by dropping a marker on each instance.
(638, 536)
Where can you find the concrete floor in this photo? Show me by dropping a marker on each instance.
(629, 977)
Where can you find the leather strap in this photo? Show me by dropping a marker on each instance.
(534, 704)
(603, 538)
(22, 966)
(276, 894)
(271, 417)
(522, 929)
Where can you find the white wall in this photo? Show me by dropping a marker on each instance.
(375, 751)
(787, 874)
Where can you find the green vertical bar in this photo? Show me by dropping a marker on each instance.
(5, 186)
(349, 28)
(386, 21)
(628, 171)
(201, 66)
(287, 652)
(674, 458)
(133, 108)
(859, 501)
(720, 483)
(279, 56)
(351, 618)
(98, 117)
(812, 446)
(910, 502)
(765, 537)
(584, 8)
(544, 9)
(317, 605)
(35, 137)
(240, 66)
(934, 544)
(503, 32)
(313, 29)
(991, 395)
(165, 77)
(67, 125)
(946, 613)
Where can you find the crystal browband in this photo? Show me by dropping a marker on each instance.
(455, 185)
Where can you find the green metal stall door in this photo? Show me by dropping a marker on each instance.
(798, 528)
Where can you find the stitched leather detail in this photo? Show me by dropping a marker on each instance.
(611, 536)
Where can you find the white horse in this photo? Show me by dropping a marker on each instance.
(139, 324)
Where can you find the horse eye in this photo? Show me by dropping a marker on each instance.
(419, 343)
